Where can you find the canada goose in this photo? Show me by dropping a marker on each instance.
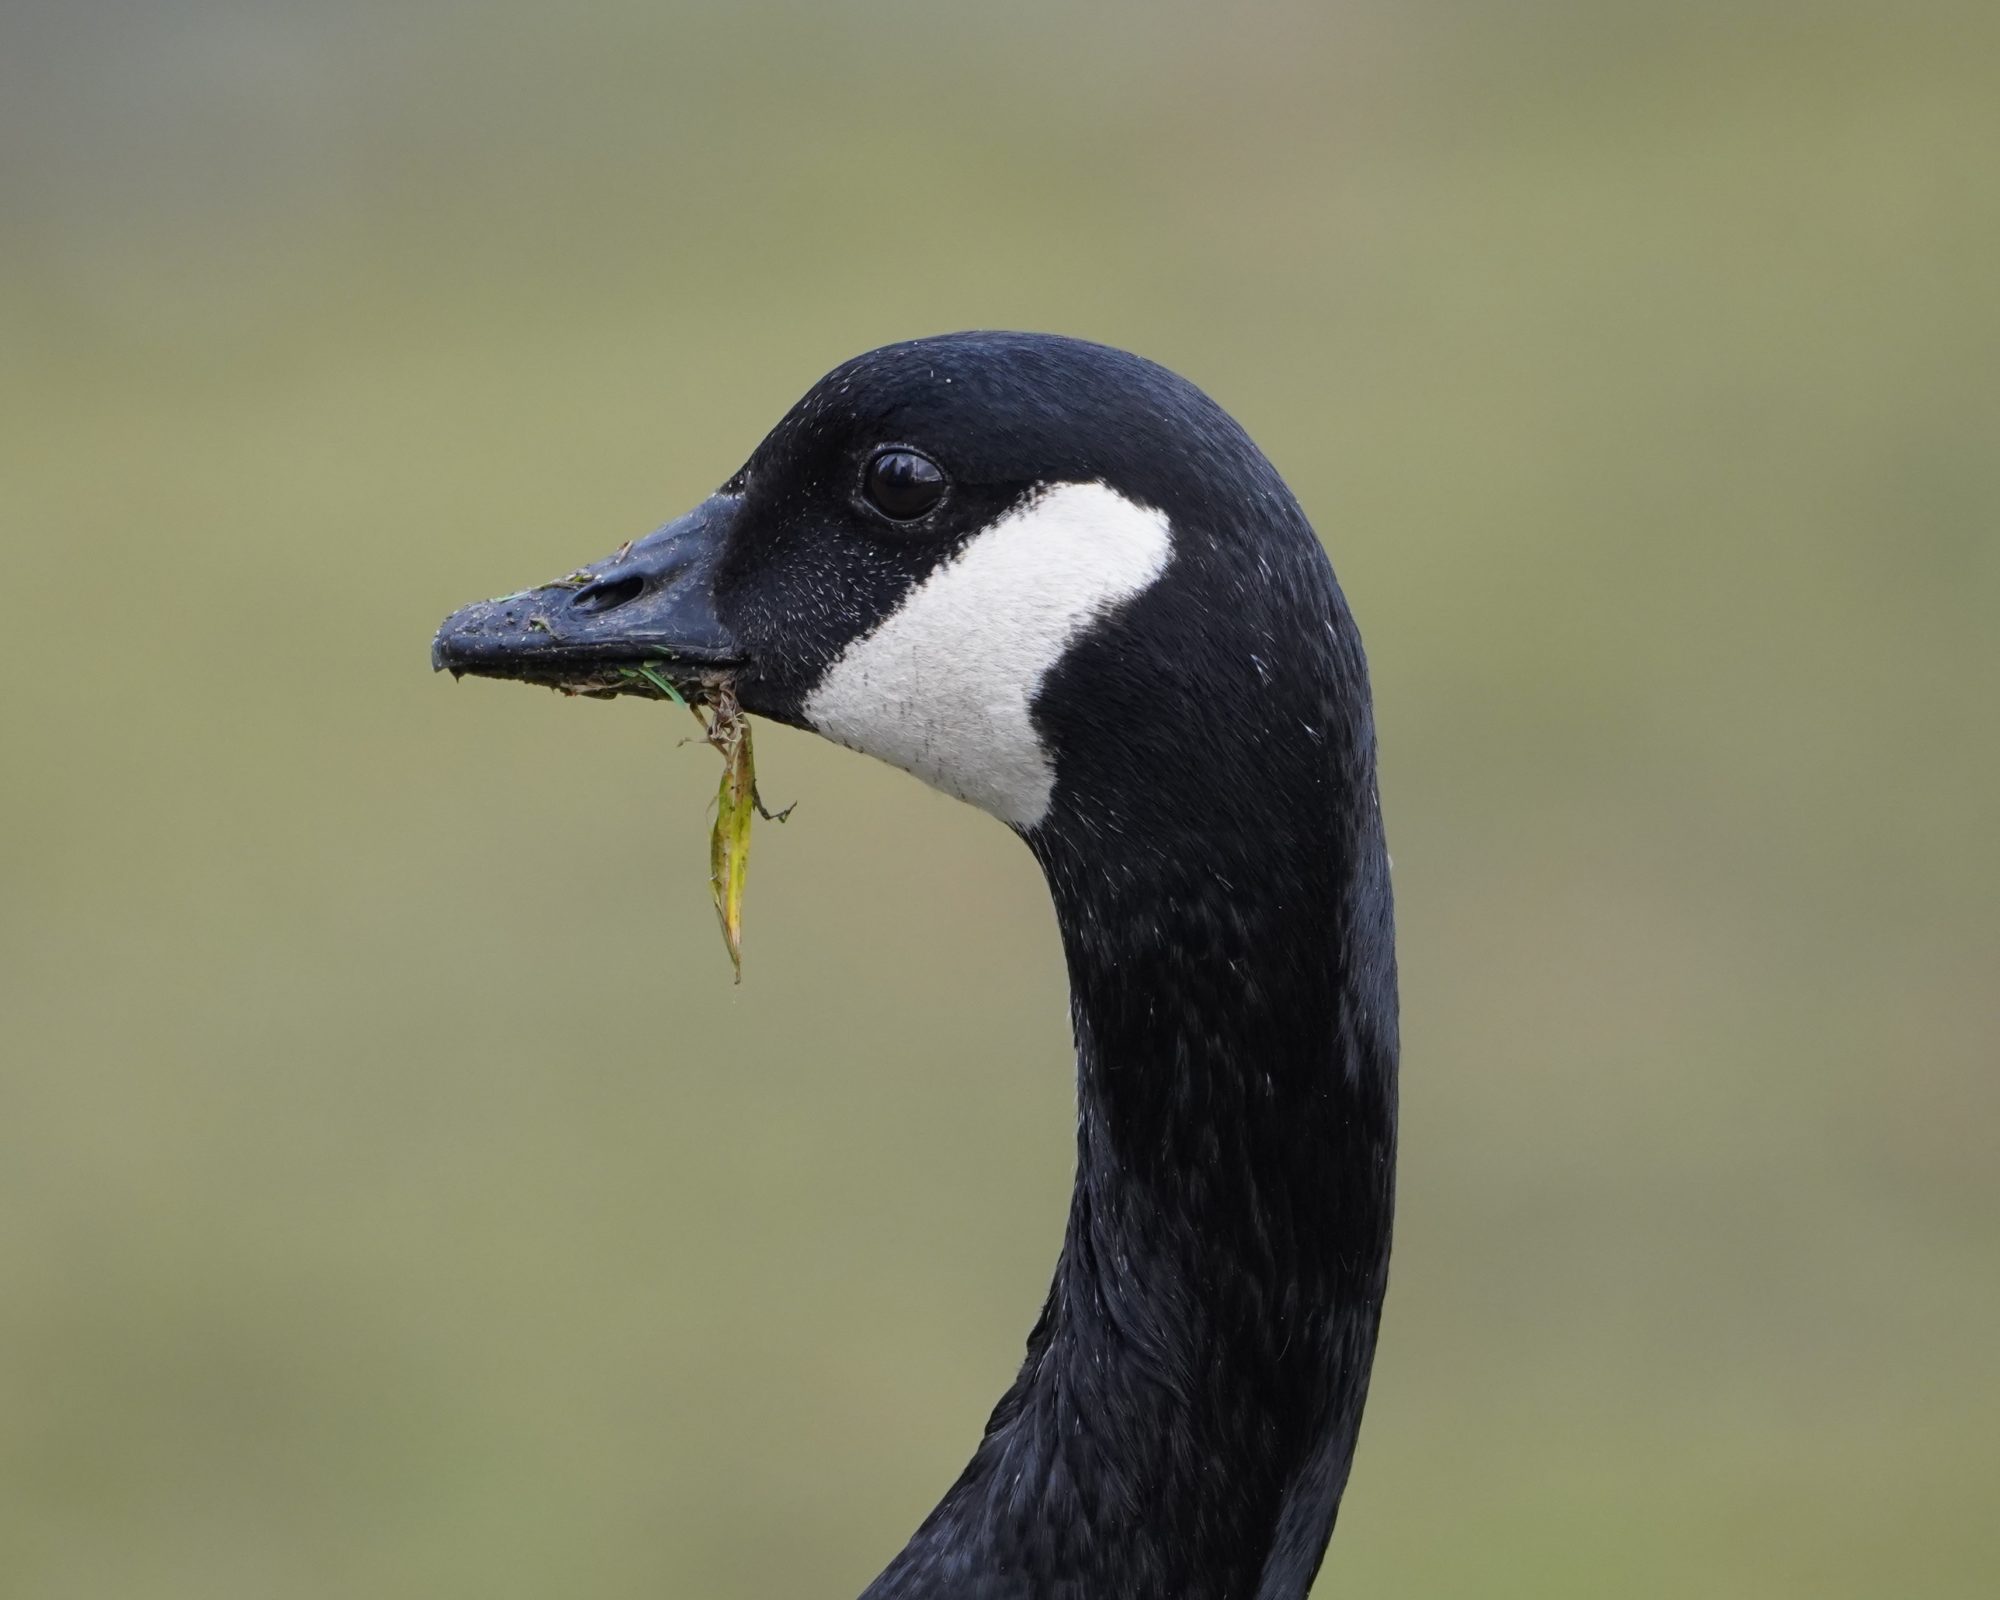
(1058, 581)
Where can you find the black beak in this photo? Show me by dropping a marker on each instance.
(652, 603)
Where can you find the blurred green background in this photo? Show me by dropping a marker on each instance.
(396, 1198)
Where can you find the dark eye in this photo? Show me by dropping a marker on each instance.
(903, 484)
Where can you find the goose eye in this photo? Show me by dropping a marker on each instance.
(903, 485)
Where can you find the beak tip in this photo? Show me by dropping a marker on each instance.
(449, 643)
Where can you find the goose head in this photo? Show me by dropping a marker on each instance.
(1045, 576)
(1057, 581)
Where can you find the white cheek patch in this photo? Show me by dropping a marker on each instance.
(943, 685)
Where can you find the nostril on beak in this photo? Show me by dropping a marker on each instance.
(608, 595)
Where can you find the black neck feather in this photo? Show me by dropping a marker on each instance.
(1184, 1421)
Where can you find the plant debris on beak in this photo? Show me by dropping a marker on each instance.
(724, 726)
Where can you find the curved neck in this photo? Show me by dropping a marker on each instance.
(1183, 1424)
